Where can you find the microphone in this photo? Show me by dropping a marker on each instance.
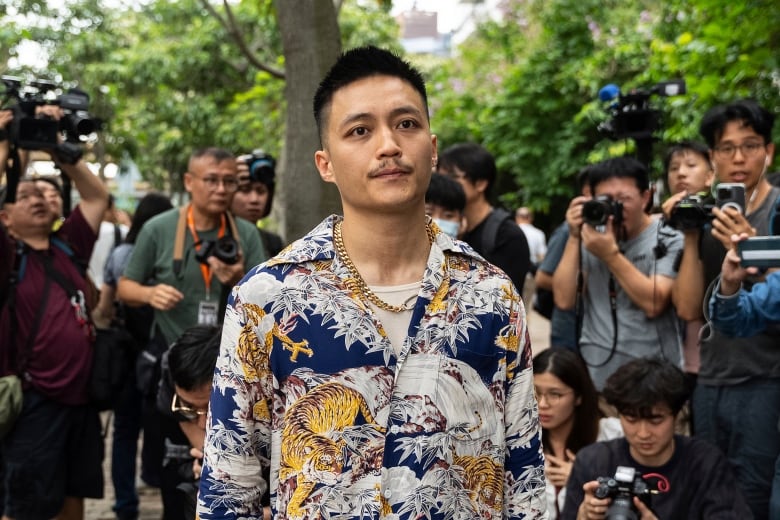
(609, 92)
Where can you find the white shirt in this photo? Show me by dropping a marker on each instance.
(537, 242)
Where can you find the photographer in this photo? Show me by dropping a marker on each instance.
(692, 477)
(53, 454)
(736, 402)
(183, 401)
(688, 173)
(192, 289)
(626, 262)
(255, 195)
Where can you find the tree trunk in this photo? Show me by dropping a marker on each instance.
(312, 42)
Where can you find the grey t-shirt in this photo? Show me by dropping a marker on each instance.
(655, 251)
(731, 361)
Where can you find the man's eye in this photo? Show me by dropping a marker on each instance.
(408, 123)
(360, 131)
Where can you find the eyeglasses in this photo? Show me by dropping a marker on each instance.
(552, 397)
(213, 182)
(187, 412)
(748, 149)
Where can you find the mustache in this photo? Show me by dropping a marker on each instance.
(392, 164)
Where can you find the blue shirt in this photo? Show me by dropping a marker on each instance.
(746, 314)
(307, 383)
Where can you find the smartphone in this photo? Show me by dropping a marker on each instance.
(760, 252)
(730, 195)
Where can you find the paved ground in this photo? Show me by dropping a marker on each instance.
(151, 507)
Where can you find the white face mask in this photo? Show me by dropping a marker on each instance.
(448, 227)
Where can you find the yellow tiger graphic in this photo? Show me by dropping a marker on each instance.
(484, 480)
(308, 451)
(254, 353)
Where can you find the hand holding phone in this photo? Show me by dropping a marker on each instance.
(730, 195)
(759, 252)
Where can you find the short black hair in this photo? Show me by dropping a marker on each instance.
(474, 160)
(192, 357)
(677, 147)
(747, 111)
(445, 192)
(151, 205)
(218, 154)
(359, 63)
(639, 385)
(619, 168)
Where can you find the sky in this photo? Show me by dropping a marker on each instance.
(452, 14)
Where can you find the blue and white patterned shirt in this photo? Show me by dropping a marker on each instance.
(307, 383)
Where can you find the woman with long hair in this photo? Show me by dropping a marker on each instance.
(570, 417)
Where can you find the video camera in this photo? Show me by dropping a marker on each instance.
(32, 131)
(632, 116)
(596, 212)
(622, 488)
(694, 211)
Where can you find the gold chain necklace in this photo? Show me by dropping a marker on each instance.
(356, 283)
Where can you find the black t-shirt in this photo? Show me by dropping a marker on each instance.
(510, 252)
(701, 483)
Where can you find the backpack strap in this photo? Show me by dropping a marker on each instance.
(490, 233)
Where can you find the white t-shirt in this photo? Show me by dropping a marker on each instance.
(537, 242)
(103, 246)
(396, 324)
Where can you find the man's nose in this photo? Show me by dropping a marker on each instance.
(388, 143)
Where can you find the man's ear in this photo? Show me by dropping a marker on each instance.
(324, 165)
(188, 178)
(481, 185)
(4, 217)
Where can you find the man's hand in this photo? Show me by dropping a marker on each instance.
(671, 202)
(197, 467)
(227, 274)
(732, 273)
(592, 508)
(164, 297)
(558, 469)
(602, 245)
(644, 511)
(574, 215)
(727, 222)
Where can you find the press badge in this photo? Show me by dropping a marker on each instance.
(207, 313)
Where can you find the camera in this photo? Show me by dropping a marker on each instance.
(261, 166)
(694, 211)
(225, 249)
(622, 488)
(632, 116)
(35, 132)
(596, 212)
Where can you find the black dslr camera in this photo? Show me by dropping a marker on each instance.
(597, 211)
(225, 249)
(622, 488)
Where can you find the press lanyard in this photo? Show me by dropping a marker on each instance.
(205, 270)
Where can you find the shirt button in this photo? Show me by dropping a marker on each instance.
(388, 493)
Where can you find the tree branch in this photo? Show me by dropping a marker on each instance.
(232, 29)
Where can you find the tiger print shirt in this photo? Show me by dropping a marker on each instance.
(308, 384)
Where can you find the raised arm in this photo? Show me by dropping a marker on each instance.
(565, 276)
